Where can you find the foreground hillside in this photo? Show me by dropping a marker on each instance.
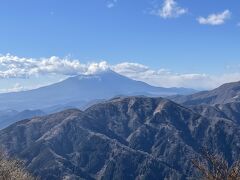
(125, 138)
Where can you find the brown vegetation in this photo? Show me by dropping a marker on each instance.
(11, 169)
(215, 167)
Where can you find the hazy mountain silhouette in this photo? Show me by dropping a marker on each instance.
(83, 89)
(8, 117)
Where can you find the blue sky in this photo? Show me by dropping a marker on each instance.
(119, 31)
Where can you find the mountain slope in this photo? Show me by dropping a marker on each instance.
(229, 111)
(226, 93)
(222, 102)
(125, 138)
(83, 89)
(61, 147)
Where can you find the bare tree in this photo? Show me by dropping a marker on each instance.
(215, 167)
(11, 169)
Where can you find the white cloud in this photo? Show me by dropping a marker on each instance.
(167, 78)
(169, 9)
(215, 19)
(17, 67)
(111, 3)
(17, 87)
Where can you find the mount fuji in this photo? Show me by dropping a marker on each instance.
(80, 90)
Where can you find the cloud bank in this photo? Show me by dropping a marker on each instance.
(215, 19)
(18, 67)
(15, 88)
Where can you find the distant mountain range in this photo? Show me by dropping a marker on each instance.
(227, 93)
(222, 102)
(78, 91)
(8, 117)
(127, 137)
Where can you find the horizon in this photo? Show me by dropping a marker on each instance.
(99, 72)
(160, 42)
(86, 75)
